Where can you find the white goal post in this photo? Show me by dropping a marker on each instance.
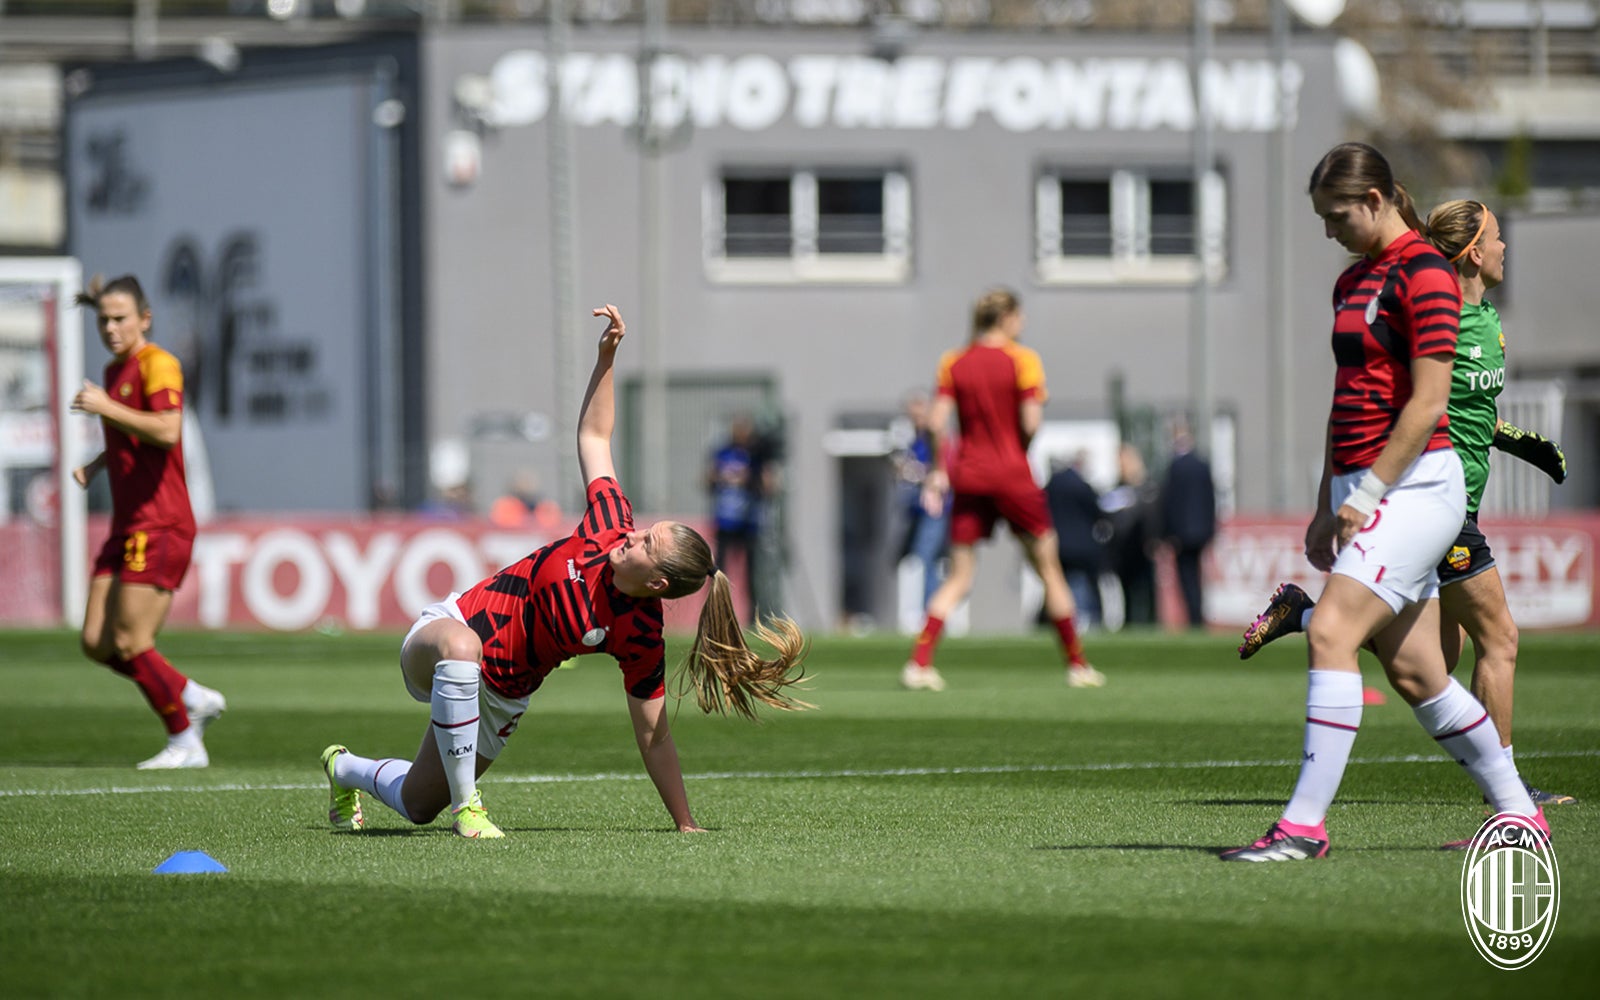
(44, 343)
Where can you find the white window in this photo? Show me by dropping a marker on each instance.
(1127, 226)
(840, 225)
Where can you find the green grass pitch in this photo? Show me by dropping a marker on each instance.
(1007, 838)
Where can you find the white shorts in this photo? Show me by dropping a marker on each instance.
(498, 716)
(1397, 554)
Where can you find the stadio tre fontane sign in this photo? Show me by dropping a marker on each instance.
(1018, 93)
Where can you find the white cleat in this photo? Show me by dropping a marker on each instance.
(1085, 677)
(207, 708)
(917, 678)
(175, 756)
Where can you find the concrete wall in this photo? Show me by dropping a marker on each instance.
(852, 348)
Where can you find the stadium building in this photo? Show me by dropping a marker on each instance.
(376, 255)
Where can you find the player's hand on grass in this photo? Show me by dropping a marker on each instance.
(1535, 449)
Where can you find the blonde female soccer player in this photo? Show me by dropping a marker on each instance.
(477, 657)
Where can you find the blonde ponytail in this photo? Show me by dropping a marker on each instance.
(726, 675)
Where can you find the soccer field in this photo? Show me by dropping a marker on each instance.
(1007, 838)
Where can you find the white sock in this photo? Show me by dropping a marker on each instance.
(1333, 715)
(455, 725)
(1510, 757)
(1458, 722)
(1305, 618)
(382, 778)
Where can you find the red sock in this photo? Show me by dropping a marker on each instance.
(163, 688)
(922, 652)
(1070, 641)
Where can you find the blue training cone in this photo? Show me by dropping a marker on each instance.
(189, 862)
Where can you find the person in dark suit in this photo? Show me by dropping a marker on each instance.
(1189, 518)
(1081, 532)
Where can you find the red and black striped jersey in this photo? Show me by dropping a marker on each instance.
(1387, 312)
(560, 602)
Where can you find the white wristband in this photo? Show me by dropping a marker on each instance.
(1367, 495)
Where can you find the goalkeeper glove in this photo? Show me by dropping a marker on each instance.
(1538, 451)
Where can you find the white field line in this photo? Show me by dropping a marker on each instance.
(893, 772)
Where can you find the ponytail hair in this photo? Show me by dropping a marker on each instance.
(1455, 227)
(127, 285)
(726, 675)
(721, 669)
(1351, 169)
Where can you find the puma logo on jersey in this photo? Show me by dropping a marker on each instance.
(572, 570)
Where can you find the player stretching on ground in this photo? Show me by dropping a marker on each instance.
(995, 387)
(1391, 501)
(152, 526)
(477, 657)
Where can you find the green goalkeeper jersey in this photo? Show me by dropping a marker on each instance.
(1476, 378)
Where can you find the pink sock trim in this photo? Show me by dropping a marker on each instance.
(1318, 832)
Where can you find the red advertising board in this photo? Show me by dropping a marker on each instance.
(292, 573)
(1548, 566)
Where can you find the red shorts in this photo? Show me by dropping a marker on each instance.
(972, 515)
(157, 558)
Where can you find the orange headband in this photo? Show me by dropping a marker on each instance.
(1475, 236)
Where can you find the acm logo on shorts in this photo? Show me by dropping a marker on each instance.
(1460, 558)
(1510, 891)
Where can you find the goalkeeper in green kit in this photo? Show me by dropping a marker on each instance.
(1472, 598)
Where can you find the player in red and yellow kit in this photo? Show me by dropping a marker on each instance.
(1391, 502)
(152, 526)
(995, 388)
(477, 657)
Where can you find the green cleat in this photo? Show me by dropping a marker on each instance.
(344, 804)
(472, 820)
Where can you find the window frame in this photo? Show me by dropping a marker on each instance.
(1130, 260)
(804, 264)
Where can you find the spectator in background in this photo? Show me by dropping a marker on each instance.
(1131, 508)
(734, 479)
(524, 506)
(1081, 531)
(1189, 517)
(926, 531)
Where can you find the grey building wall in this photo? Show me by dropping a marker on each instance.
(839, 349)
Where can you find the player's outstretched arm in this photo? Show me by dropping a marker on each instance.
(1535, 449)
(598, 415)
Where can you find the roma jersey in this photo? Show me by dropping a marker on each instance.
(1406, 304)
(560, 602)
(148, 490)
(1476, 379)
(988, 384)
